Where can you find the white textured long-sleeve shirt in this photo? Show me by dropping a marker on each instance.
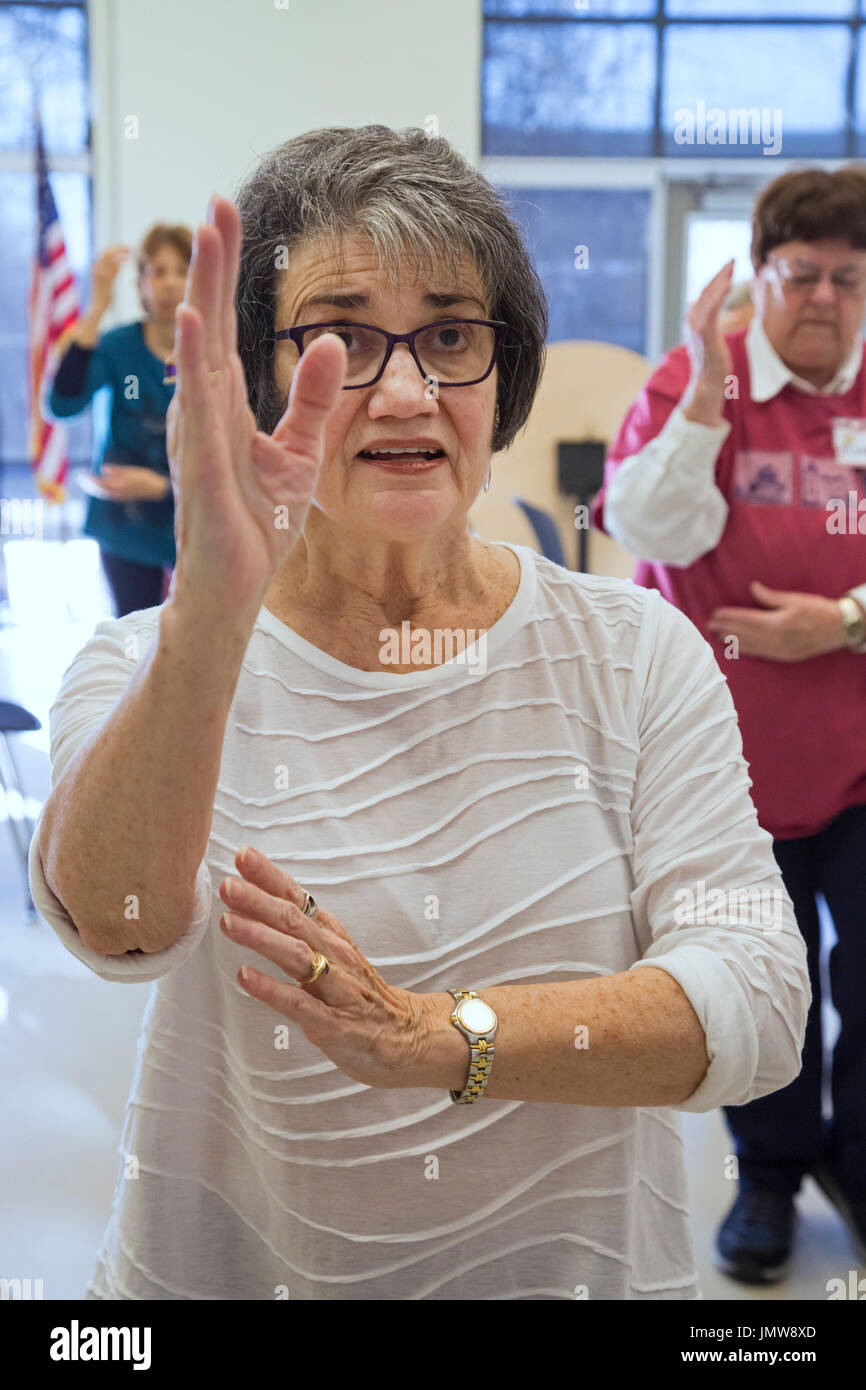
(663, 503)
(576, 806)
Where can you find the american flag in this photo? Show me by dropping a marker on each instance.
(52, 313)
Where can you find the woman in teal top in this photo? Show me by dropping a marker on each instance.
(131, 508)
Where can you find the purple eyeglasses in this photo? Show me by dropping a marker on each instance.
(449, 352)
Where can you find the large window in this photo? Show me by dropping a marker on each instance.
(589, 246)
(43, 56)
(643, 129)
(674, 77)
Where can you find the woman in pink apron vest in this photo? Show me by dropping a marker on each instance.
(739, 478)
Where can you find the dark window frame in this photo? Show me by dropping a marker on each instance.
(662, 22)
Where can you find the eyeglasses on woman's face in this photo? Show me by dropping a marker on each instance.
(449, 352)
(803, 278)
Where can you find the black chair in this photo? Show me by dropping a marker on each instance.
(547, 531)
(15, 719)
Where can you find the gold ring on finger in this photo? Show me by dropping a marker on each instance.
(320, 967)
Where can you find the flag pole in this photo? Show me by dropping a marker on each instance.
(45, 336)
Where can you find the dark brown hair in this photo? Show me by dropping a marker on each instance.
(421, 204)
(808, 204)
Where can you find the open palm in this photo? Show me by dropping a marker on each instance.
(241, 495)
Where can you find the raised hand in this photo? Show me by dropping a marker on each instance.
(710, 359)
(103, 276)
(241, 496)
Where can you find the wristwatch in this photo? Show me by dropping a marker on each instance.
(478, 1023)
(853, 621)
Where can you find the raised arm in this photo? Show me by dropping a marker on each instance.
(661, 500)
(131, 813)
(83, 369)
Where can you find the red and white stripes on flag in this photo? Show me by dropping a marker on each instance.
(52, 313)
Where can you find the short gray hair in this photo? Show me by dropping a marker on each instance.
(419, 202)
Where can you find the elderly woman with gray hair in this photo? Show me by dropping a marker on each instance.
(442, 858)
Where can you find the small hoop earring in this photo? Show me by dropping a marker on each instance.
(487, 480)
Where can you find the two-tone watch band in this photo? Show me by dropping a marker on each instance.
(481, 1047)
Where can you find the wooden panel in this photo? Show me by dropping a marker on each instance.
(585, 392)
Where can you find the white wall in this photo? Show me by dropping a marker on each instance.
(215, 83)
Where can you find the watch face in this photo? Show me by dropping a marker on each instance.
(477, 1016)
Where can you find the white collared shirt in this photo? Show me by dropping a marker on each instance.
(768, 374)
(663, 503)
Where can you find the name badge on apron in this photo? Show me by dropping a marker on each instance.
(849, 442)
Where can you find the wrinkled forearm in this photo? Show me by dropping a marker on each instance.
(617, 1040)
(126, 827)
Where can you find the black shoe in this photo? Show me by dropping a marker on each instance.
(755, 1239)
(852, 1210)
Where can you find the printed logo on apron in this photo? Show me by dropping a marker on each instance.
(823, 479)
(764, 478)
